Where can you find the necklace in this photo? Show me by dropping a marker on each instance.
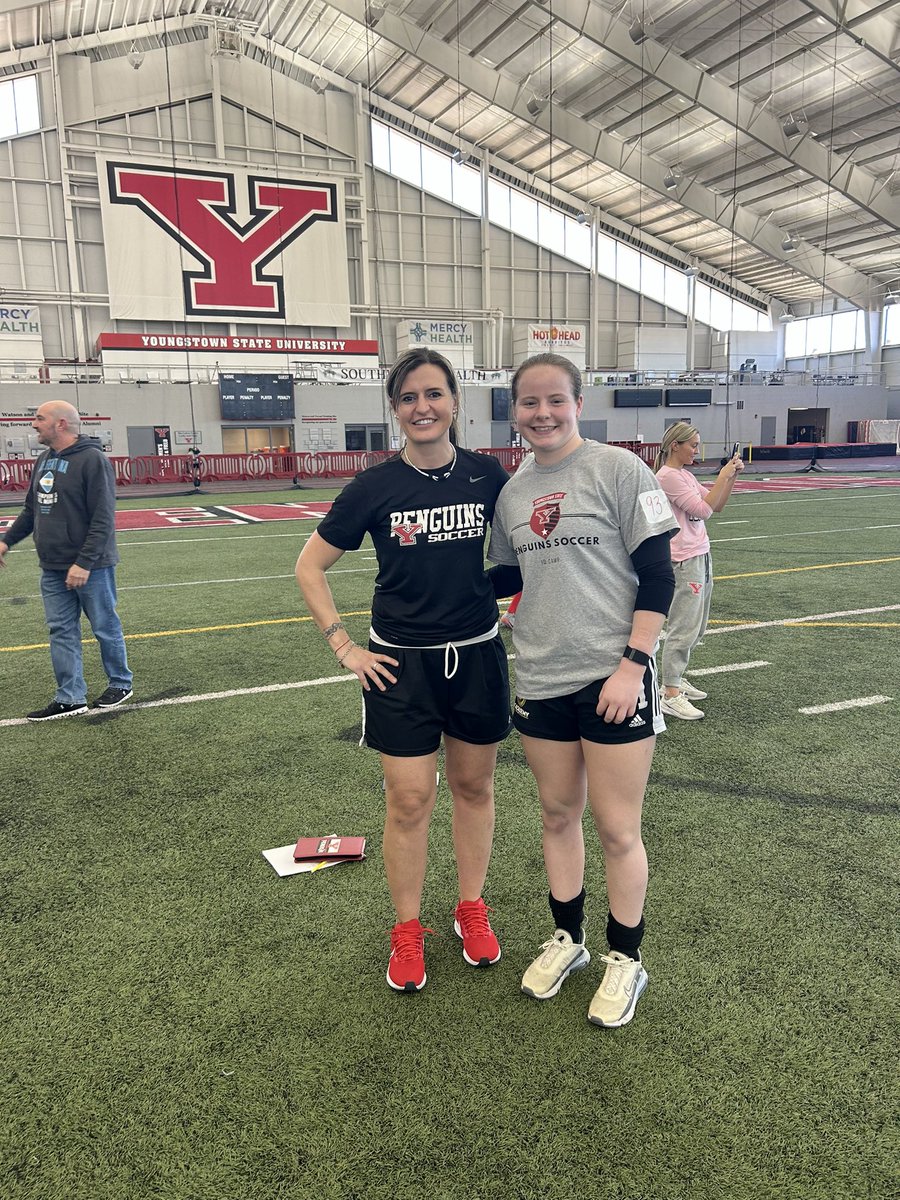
(404, 454)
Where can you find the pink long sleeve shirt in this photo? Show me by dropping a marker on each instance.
(688, 500)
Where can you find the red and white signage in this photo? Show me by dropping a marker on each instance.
(215, 245)
(316, 348)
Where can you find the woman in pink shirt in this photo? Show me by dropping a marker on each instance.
(692, 504)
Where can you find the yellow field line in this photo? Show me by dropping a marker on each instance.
(863, 562)
(199, 629)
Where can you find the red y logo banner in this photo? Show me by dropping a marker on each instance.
(199, 210)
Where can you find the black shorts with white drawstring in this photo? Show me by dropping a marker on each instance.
(461, 691)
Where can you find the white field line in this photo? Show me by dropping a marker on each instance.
(147, 587)
(772, 537)
(169, 701)
(254, 691)
(805, 498)
(747, 666)
(861, 702)
(743, 521)
(850, 612)
(306, 683)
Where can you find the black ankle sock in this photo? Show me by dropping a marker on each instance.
(569, 915)
(626, 939)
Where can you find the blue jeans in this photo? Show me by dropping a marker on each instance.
(63, 608)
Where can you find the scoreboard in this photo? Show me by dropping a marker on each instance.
(256, 397)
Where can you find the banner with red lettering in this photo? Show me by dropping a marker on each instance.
(231, 244)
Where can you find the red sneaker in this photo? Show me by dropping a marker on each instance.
(480, 946)
(406, 969)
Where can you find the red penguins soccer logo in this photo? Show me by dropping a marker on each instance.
(545, 515)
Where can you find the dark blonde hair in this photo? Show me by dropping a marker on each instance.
(680, 432)
(548, 360)
(421, 356)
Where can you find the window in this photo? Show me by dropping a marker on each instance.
(433, 171)
(892, 325)
(19, 111)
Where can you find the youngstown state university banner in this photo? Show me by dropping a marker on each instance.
(223, 245)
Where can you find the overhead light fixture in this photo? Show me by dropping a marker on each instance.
(460, 157)
(537, 104)
(790, 242)
(786, 317)
(890, 298)
(135, 56)
(794, 126)
(691, 270)
(636, 31)
(373, 13)
(319, 85)
(672, 179)
(583, 218)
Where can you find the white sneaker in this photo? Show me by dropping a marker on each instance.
(692, 693)
(616, 998)
(679, 706)
(560, 957)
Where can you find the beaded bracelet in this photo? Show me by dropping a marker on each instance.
(346, 652)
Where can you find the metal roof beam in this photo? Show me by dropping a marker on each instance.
(861, 21)
(743, 113)
(838, 278)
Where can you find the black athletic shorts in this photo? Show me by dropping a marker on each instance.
(570, 718)
(407, 719)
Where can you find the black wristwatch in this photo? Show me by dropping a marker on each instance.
(637, 656)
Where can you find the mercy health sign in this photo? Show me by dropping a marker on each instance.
(20, 332)
(214, 245)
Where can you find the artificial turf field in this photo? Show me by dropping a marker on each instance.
(179, 1023)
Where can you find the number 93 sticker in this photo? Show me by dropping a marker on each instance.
(655, 505)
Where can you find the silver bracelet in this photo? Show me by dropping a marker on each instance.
(352, 646)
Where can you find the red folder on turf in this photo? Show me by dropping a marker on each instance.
(330, 849)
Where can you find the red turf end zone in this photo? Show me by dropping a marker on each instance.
(201, 516)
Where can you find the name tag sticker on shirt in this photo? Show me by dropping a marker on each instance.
(655, 505)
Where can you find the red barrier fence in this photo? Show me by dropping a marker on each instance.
(15, 474)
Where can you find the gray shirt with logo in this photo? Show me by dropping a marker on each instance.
(571, 528)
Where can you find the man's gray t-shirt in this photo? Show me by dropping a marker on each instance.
(571, 528)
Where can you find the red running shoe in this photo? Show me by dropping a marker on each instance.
(406, 969)
(480, 945)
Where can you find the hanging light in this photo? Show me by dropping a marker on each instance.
(790, 241)
(794, 126)
(637, 32)
(786, 317)
(460, 157)
(672, 179)
(890, 298)
(135, 56)
(692, 270)
(583, 218)
(319, 85)
(537, 104)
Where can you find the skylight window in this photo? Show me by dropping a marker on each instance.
(19, 110)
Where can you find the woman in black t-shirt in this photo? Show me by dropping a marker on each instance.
(435, 666)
